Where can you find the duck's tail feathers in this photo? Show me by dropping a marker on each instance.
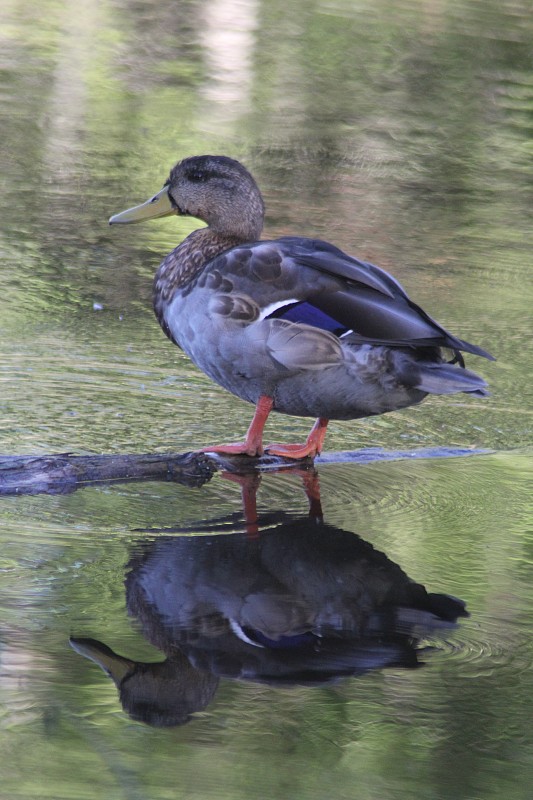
(466, 347)
(450, 379)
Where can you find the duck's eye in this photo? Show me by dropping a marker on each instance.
(198, 176)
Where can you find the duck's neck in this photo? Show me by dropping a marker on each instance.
(189, 258)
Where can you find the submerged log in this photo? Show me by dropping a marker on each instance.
(63, 473)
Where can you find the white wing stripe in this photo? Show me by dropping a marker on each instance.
(267, 310)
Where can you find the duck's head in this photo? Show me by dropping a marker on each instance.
(215, 189)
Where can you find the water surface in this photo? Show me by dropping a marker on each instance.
(399, 131)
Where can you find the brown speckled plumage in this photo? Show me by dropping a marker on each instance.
(180, 269)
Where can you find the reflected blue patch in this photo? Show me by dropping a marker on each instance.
(282, 642)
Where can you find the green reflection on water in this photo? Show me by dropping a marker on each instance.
(461, 723)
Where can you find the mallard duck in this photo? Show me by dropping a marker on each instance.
(292, 324)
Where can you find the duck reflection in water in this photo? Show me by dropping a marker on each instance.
(302, 602)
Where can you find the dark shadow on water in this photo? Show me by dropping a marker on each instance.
(287, 601)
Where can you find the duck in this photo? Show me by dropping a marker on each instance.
(294, 324)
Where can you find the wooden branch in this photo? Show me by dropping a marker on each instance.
(64, 473)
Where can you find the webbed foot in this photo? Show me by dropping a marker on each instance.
(311, 448)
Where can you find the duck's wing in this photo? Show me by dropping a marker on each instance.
(366, 300)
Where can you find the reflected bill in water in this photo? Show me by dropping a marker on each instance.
(289, 601)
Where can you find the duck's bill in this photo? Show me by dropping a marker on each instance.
(160, 205)
(114, 665)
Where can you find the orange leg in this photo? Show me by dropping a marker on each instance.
(311, 448)
(312, 490)
(253, 444)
